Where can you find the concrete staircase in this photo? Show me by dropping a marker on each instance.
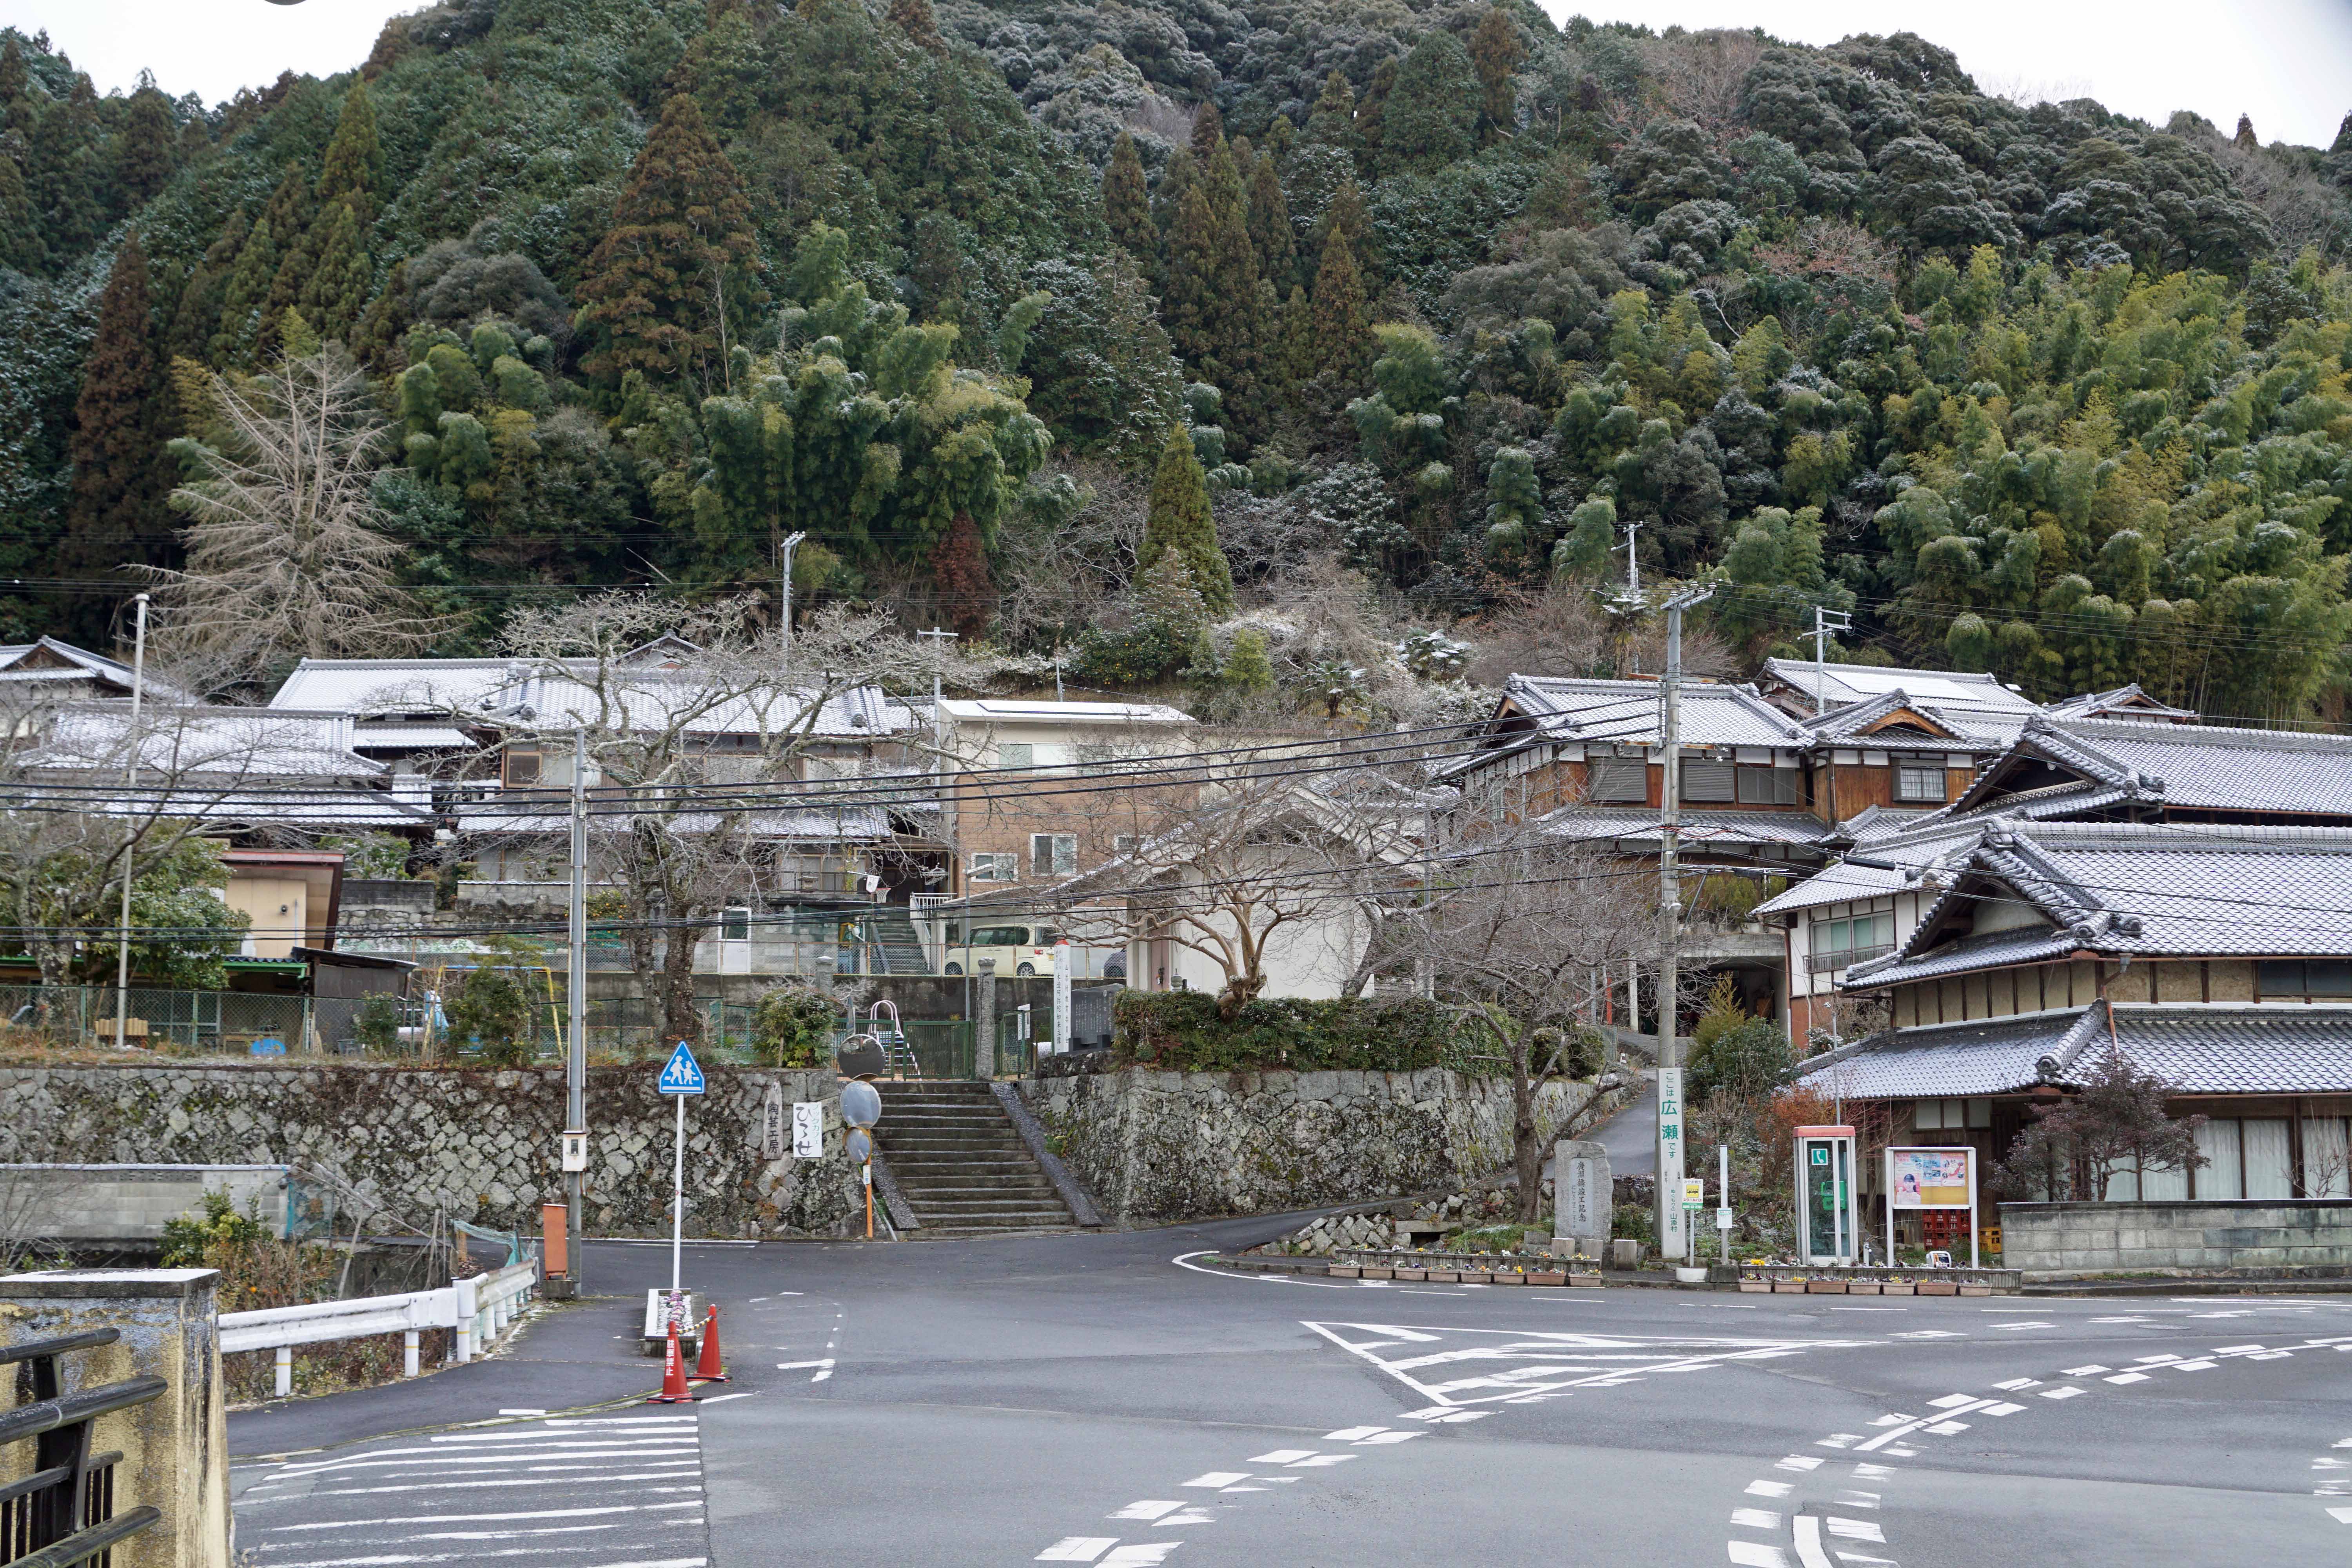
(958, 1159)
(897, 943)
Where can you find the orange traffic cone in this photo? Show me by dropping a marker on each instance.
(673, 1389)
(707, 1365)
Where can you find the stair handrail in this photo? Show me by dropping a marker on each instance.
(896, 1049)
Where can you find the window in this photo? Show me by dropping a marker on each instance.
(995, 868)
(1022, 755)
(999, 936)
(1951, 1115)
(1122, 843)
(1053, 854)
(1708, 780)
(735, 925)
(521, 766)
(1919, 780)
(1839, 942)
(1768, 786)
(2303, 978)
(1618, 779)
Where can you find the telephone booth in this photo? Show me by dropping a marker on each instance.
(1829, 1212)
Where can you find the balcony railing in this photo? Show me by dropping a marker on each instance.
(1842, 958)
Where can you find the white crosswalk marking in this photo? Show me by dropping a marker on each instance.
(610, 1491)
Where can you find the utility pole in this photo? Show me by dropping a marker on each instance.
(1825, 623)
(575, 1054)
(131, 843)
(1633, 568)
(938, 716)
(1672, 1236)
(791, 542)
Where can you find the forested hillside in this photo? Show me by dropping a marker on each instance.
(1313, 353)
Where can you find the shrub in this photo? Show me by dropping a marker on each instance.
(1745, 1061)
(186, 1238)
(1182, 1031)
(493, 1010)
(792, 1026)
(376, 1025)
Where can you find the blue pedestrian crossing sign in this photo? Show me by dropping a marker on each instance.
(682, 1074)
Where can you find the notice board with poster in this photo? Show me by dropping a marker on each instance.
(1935, 1177)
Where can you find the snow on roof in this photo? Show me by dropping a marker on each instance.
(1006, 711)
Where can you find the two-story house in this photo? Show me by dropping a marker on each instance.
(2153, 769)
(2215, 955)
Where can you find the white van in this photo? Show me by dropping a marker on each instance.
(1018, 948)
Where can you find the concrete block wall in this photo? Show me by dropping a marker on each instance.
(2252, 1235)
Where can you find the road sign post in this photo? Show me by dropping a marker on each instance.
(681, 1077)
(1693, 1200)
(861, 1107)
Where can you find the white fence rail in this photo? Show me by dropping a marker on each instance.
(478, 1309)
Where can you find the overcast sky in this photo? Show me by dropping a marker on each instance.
(2288, 63)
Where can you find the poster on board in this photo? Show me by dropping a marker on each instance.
(1938, 1178)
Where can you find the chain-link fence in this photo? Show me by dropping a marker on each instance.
(193, 1020)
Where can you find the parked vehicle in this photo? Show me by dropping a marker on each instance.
(1017, 949)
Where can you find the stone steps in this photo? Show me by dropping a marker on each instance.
(958, 1161)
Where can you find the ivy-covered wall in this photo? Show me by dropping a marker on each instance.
(481, 1145)
(1160, 1146)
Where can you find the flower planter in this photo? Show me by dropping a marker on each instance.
(1895, 1288)
(1441, 1276)
(1373, 1272)
(1510, 1279)
(1936, 1288)
(1346, 1271)
(1756, 1287)
(1862, 1287)
(1586, 1280)
(1824, 1287)
(1473, 1277)
(1788, 1286)
(1540, 1279)
(1976, 1289)
(1410, 1274)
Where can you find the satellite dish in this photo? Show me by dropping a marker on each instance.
(861, 1104)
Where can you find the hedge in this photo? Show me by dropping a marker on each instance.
(1181, 1031)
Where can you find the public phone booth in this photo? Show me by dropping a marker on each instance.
(1829, 1210)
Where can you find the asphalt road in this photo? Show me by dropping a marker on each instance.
(1095, 1399)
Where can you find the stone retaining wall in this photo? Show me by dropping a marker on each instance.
(1157, 1146)
(481, 1144)
(2255, 1236)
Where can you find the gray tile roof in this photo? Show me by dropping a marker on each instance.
(2129, 700)
(2202, 766)
(2197, 1047)
(1849, 724)
(1698, 827)
(1998, 950)
(1628, 711)
(2153, 890)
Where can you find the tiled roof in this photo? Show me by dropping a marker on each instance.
(1850, 722)
(1628, 711)
(2127, 700)
(305, 808)
(1995, 950)
(1919, 853)
(1698, 827)
(1941, 689)
(2204, 767)
(408, 737)
(2179, 889)
(2197, 1047)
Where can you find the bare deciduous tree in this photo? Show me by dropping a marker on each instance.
(1509, 931)
(285, 559)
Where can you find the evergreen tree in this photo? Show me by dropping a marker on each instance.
(1342, 331)
(354, 162)
(1168, 196)
(1249, 668)
(959, 578)
(1208, 133)
(1269, 227)
(1180, 522)
(1496, 53)
(150, 146)
(1332, 122)
(121, 476)
(20, 229)
(67, 180)
(1347, 217)
(1371, 113)
(1212, 301)
(198, 314)
(244, 295)
(13, 78)
(2245, 139)
(293, 208)
(1127, 205)
(338, 289)
(1432, 116)
(1300, 358)
(916, 20)
(680, 237)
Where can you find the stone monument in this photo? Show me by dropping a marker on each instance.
(1582, 1204)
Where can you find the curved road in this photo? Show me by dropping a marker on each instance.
(1105, 1399)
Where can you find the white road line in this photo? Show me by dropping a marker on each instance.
(1078, 1549)
(1757, 1554)
(486, 1517)
(1142, 1556)
(1808, 1543)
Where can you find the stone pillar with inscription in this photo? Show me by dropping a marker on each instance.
(1583, 1205)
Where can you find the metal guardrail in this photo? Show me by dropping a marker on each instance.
(478, 1309)
(63, 1513)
